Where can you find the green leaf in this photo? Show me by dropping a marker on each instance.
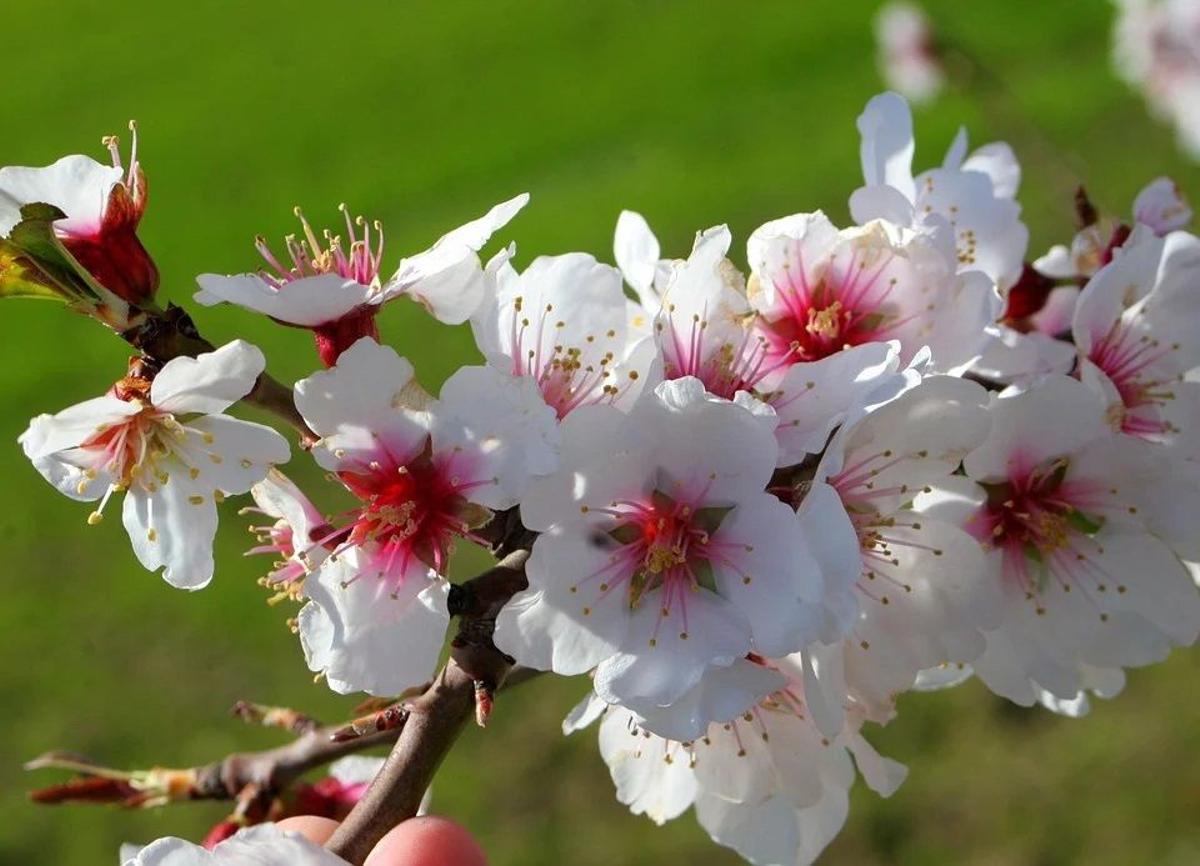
(20, 278)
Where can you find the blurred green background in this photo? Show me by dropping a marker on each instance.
(424, 115)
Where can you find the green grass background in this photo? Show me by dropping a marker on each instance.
(423, 115)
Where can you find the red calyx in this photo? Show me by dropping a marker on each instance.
(335, 337)
(1120, 234)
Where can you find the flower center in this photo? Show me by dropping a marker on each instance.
(1141, 369)
(412, 514)
(568, 376)
(310, 256)
(661, 546)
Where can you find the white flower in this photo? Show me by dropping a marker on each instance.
(660, 556)
(297, 536)
(1063, 508)
(336, 290)
(1136, 334)
(167, 445)
(426, 473)
(768, 783)
(708, 329)
(565, 324)
(908, 56)
(819, 290)
(922, 594)
(261, 845)
(973, 194)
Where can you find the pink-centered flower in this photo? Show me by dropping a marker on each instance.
(103, 205)
(921, 598)
(293, 537)
(819, 291)
(707, 328)
(1135, 331)
(166, 444)
(565, 324)
(332, 285)
(661, 558)
(1071, 518)
(972, 194)
(425, 473)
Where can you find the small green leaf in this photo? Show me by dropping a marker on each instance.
(20, 278)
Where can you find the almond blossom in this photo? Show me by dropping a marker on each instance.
(973, 193)
(294, 535)
(921, 598)
(708, 329)
(565, 323)
(167, 445)
(426, 472)
(660, 556)
(332, 284)
(819, 290)
(1058, 502)
(102, 206)
(1135, 330)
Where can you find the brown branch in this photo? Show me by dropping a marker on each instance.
(163, 335)
(462, 690)
(275, 769)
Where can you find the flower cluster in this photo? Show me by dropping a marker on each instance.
(764, 502)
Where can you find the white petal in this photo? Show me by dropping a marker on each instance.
(496, 428)
(652, 777)
(999, 163)
(637, 252)
(308, 301)
(172, 528)
(549, 627)
(1161, 206)
(230, 455)
(723, 694)
(77, 185)
(887, 143)
(75, 425)
(210, 382)
(447, 277)
(360, 407)
(385, 638)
